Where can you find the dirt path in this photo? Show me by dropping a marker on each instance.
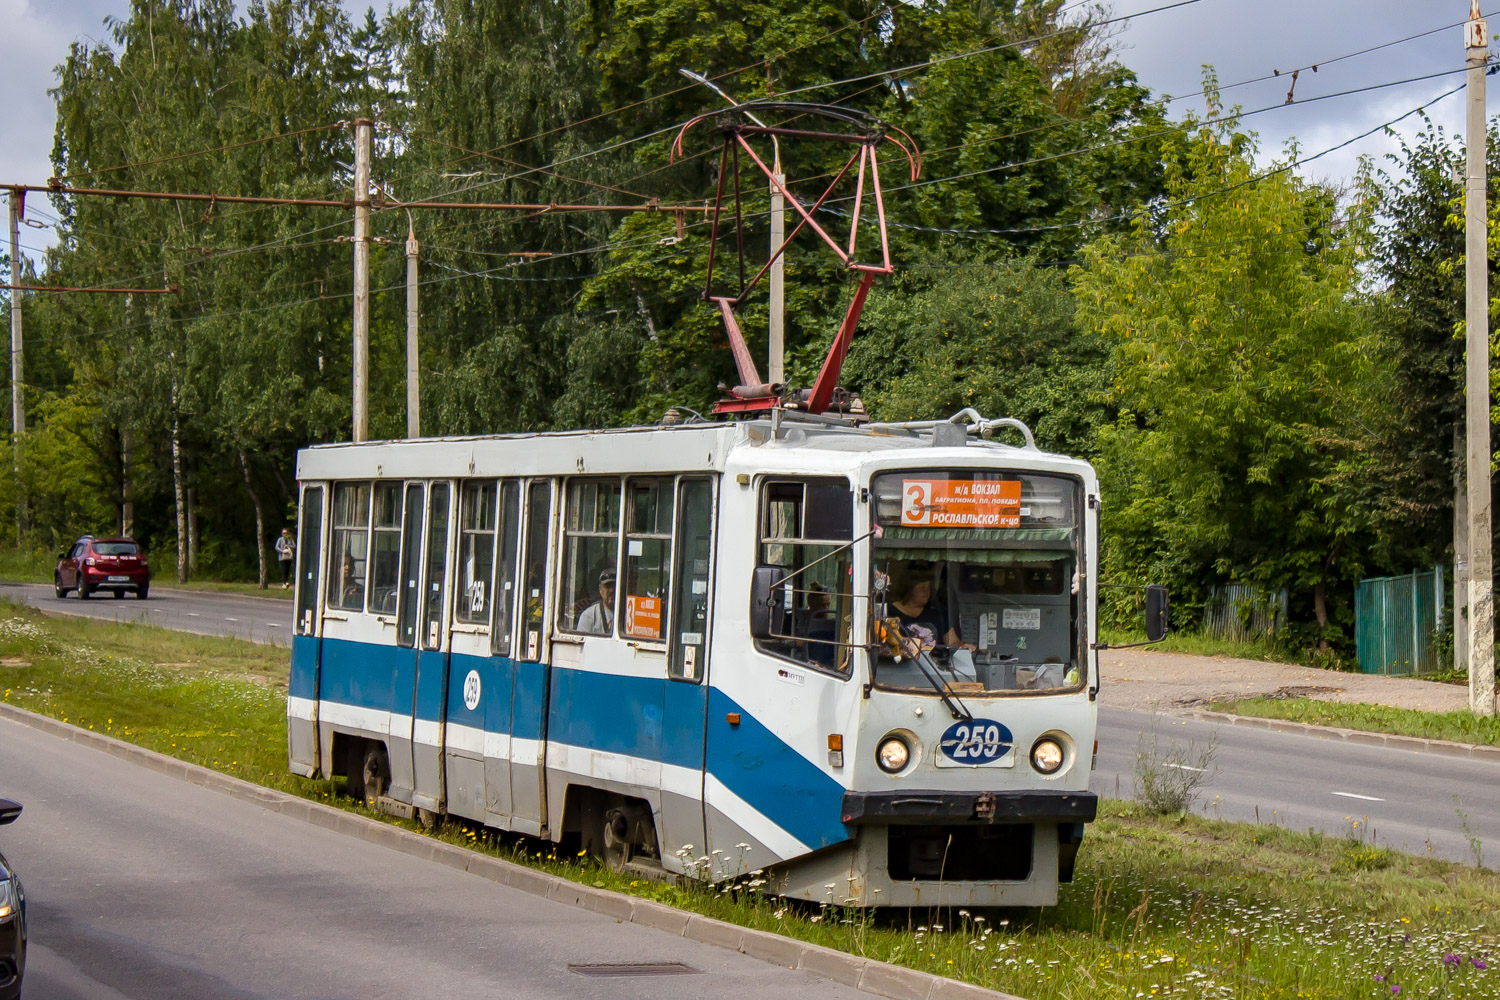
(1146, 680)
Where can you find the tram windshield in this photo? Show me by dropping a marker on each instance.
(975, 581)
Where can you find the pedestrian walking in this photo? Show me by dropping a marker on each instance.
(286, 550)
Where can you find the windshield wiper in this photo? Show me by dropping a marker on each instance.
(935, 678)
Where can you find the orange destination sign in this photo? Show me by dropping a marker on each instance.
(961, 503)
(643, 617)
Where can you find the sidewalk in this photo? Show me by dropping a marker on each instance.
(1147, 680)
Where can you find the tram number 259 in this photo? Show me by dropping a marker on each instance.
(979, 741)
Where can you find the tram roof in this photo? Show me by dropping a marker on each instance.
(799, 446)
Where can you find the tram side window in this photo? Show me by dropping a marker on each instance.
(801, 523)
(509, 557)
(648, 558)
(351, 546)
(591, 539)
(385, 549)
(538, 530)
(309, 548)
(476, 553)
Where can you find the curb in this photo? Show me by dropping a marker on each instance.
(1416, 744)
(866, 974)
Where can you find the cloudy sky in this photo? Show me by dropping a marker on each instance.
(1242, 39)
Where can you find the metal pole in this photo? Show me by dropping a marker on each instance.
(361, 403)
(1477, 369)
(17, 401)
(413, 397)
(777, 328)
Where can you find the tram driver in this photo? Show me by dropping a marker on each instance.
(599, 618)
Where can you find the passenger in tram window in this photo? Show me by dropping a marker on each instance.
(599, 618)
(350, 586)
(822, 626)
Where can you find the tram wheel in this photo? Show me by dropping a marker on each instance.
(427, 818)
(614, 840)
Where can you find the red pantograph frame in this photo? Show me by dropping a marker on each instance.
(753, 394)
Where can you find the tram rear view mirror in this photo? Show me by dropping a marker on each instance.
(1158, 610)
(768, 602)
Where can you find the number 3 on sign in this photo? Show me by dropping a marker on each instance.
(916, 503)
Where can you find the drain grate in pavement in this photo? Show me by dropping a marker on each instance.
(634, 969)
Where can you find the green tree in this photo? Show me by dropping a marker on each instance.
(1243, 365)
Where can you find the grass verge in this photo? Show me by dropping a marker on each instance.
(1460, 727)
(1179, 906)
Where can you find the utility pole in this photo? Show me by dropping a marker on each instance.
(361, 404)
(1477, 371)
(17, 402)
(413, 397)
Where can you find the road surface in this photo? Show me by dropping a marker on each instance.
(145, 887)
(259, 619)
(1406, 800)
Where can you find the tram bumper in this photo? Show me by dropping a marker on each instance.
(919, 847)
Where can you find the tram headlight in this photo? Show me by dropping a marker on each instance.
(1047, 755)
(893, 754)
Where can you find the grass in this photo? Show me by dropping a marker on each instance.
(21, 566)
(1179, 906)
(1460, 727)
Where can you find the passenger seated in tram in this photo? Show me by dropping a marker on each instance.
(351, 588)
(821, 627)
(599, 618)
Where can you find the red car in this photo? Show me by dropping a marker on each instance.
(95, 564)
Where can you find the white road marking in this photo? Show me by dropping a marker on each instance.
(1365, 798)
(231, 619)
(192, 614)
(273, 624)
(1184, 767)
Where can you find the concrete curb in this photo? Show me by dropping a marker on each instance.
(1413, 743)
(866, 974)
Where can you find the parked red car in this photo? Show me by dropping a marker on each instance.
(94, 564)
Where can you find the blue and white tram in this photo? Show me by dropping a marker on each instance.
(855, 656)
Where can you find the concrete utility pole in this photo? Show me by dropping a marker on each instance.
(413, 396)
(361, 405)
(1460, 553)
(1477, 369)
(17, 401)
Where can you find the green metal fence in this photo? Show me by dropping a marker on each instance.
(1394, 619)
(1241, 612)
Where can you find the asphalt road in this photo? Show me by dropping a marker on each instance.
(259, 619)
(1402, 799)
(145, 887)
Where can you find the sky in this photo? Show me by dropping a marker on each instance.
(1241, 39)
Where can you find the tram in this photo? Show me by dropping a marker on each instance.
(839, 654)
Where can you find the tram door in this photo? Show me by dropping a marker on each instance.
(432, 656)
(687, 667)
(405, 727)
(528, 740)
(303, 742)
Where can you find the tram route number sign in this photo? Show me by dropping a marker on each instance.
(642, 617)
(961, 503)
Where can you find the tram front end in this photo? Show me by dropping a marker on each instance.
(964, 605)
